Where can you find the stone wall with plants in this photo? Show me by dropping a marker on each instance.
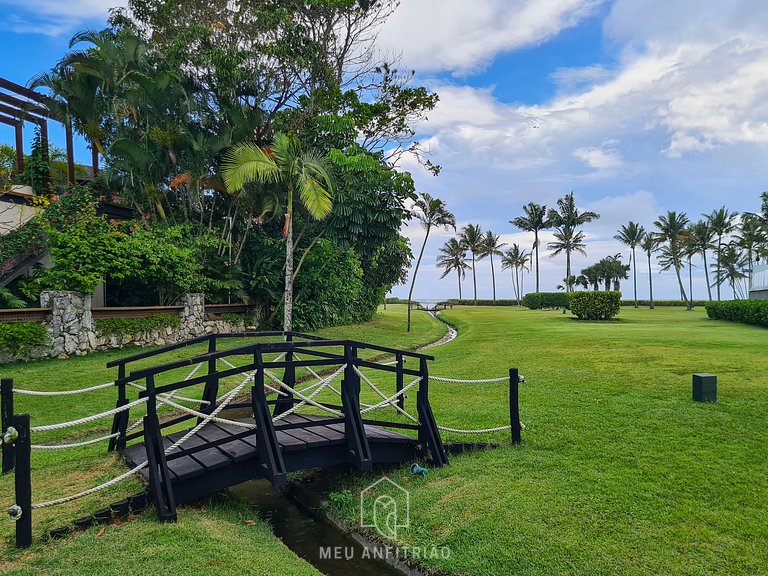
(70, 329)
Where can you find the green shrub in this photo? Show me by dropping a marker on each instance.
(754, 312)
(469, 302)
(540, 300)
(592, 305)
(122, 326)
(662, 303)
(233, 318)
(19, 337)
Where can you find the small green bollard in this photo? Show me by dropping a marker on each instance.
(705, 388)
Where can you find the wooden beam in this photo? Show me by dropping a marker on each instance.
(20, 115)
(24, 106)
(18, 126)
(21, 90)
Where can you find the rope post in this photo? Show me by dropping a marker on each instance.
(289, 377)
(159, 476)
(211, 390)
(401, 398)
(6, 416)
(514, 406)
(358, 449)
(120, 420)
(23, 482)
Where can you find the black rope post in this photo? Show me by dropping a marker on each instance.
(514, 405)
(120, 420)
(401, 398)
(289, 377)
(6, 416)
(22, 510)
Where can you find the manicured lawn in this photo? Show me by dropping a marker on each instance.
(620, 472)
(217, 530)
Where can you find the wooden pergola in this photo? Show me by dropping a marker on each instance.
(19, 105)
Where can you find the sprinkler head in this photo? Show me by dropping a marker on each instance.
(11, 435)
(14, 512)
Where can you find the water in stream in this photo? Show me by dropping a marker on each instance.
(305, 535)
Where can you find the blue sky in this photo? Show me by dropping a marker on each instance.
(638, 106)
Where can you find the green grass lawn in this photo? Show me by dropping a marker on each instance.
(620, 472)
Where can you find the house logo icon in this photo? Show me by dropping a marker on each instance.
(385, 506)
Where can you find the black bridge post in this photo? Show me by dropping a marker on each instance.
(6, 417)
(120, 420)
(23, 481)
(358, 449)
(211, 390)
(159, 477)
(270, 457)
(289, 377)
(399, 384)
(429, 435)
(514, 405)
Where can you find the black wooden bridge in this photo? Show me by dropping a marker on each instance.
(297, 421)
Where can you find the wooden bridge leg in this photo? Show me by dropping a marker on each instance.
(357, 442)
(23, 481)
(159, 476)
(6, 417)
(270, 456)
(429, 435)
(399, 382)
(289, 377)
(211, 390)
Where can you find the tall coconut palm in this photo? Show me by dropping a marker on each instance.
(731, 268)
(722, 223)
(750, 237)
(631, 234)
(534, 220)
(516, 260)
(701, 237)
(567, 219)
(471, 238)
(291, 169)
(430, 212)
(453, 258)
(649, 244)
(491, 246)
(690, 250)
(672, 231)
(568, 240)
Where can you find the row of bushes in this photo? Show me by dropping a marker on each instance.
(753, 312)
(470, 302)
(591, 305)
(541, 300)
(662, 303)
(122, 326)
(20, 337)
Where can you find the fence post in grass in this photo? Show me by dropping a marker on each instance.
(514, 406)
(6, 416)
(120, 420)
(401, 398)
(22, 510)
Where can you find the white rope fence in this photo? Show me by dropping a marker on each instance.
(74, 444)
(62, 392)
(307, 399)
(87, 419)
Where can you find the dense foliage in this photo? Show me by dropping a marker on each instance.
(540, 300)
(662, 303)
(122, 326)
(753, 312)
(19, 337)
(593, 305)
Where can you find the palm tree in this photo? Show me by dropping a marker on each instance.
(631, 235)
(453, 257)
(750, 237)
(430, 212)
(672, 228)
(516, 260)
(291, 169)
(490, 246)
(730, 267)
(567, 240)
(701, 237)
(690, 250)
(649, 245)
(567, 218)
(471, 238)
(722, 223)
(535, 219)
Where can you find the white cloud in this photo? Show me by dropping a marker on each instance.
(598, 158)
(53, 17)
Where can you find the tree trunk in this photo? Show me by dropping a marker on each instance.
(690, 280)
(474, 277)
(567, 270)
(536, 241)
(680, 283)
(706, 275)
(458, 275)
(493, 280)
(288, 304)
(719, 251)
(413, 280)
(634, 272)
(650, 279)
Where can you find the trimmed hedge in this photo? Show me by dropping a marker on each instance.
(662, 303)
(470, 302)
(551, 300)
(754, 312)
(591, 305)
(122, 326)
(19, 337)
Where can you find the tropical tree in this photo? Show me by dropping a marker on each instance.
(291, 169)
(649, 244)
(751, 236)
(731, 266)
(516, 260)
(613, 271)
(491, 246)
(567, 219)
(722, 222)
(534, 220)
(701, 238)
(591, 276)
(672, 232)
(453, 258)
(431, 212)
(471, 238)
(631, 234)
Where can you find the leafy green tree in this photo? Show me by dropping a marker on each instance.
(431, 212)
(286, 165)
(452, 258)
(567, 219)
(672, 231)
(471, 238)
(534, 220)
(631, 234)
(722, 222)
(491, 246)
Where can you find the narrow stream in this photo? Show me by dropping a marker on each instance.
(305, 535)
